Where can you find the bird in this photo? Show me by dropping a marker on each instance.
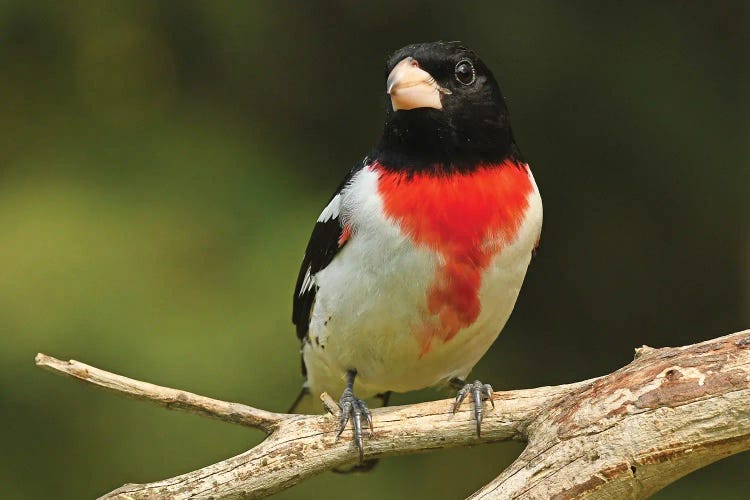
(415, 264)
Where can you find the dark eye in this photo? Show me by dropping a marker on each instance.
(465, 73)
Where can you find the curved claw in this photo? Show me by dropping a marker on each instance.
(490, 393)
(479, 392)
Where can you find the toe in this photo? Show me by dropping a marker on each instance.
(346, 411)
(357, 423)
(460, 396)
(368, 416)
(476, 392)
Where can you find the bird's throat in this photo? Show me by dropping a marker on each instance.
(424, 140)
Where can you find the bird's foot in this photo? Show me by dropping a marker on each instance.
(479, 392)
(356, 409)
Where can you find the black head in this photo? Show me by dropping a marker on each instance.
(445, 111)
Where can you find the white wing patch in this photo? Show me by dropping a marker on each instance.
(307, 283)
(331, 211)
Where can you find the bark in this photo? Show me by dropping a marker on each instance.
(623, 435)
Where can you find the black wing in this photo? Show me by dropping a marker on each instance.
(321, 249)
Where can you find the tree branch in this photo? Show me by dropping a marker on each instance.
(627, 434)
(173, 399)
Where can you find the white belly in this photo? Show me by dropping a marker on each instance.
(372, 298)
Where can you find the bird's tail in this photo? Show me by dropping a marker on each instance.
(303, 393)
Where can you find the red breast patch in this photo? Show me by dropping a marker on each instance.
(454, 215)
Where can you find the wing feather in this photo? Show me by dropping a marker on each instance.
(325, 242)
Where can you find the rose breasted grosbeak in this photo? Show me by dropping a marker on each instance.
(415, 264)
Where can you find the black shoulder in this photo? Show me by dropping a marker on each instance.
(325, 242)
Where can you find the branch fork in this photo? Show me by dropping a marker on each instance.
(624, 435)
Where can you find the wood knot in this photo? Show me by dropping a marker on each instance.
(79, 371)
(642, 351)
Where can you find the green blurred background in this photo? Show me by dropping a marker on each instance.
(162, 164)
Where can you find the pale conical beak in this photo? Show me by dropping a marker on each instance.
(411, 87)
